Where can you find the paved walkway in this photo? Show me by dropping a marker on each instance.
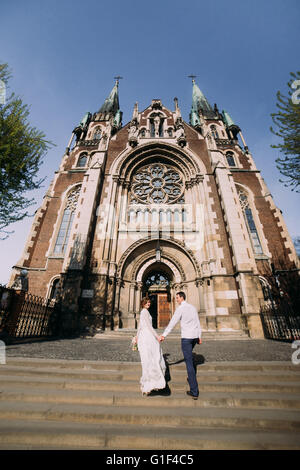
(118, 349)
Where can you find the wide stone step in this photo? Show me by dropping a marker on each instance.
(110, 385)
(121, 366)
(286, 420)
(59, 404)
(61, 435)
(176, 399)
(134, 374)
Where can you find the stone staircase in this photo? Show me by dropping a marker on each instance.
(58, 404)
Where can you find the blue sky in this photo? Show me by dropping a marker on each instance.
(64, 56)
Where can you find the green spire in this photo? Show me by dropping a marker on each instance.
(85, 120)
(194, 118)
(200, 102)
(111, 104)
(227, 119)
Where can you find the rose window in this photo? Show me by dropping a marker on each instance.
(157, 184)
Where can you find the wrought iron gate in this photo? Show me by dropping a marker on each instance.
(23, 315)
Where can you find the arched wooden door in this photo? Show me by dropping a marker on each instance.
(157, 288)
(163, 309)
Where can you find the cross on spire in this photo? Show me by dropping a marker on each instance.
(118, 78)
(192, 77)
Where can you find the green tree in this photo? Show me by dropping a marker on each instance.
(22, 149)
(287, 120)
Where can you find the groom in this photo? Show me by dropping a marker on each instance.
(190, 335)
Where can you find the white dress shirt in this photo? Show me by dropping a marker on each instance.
(189, 321)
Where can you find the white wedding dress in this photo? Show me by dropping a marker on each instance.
(153, 363)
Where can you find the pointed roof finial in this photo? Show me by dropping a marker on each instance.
(200, 102)
(227, 118)
(177, 111)
(135, 113)
(111, 104)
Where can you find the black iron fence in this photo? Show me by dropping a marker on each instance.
(280, 323)
(23, 315)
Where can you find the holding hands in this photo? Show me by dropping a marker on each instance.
(161, 339)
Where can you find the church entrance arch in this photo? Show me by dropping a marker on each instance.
(141, 273)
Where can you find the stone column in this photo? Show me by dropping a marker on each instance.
(116, 221)
(129, 322)
(118, 319)
(109, 221)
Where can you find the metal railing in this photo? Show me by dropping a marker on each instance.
(280, 323)
(24, 315)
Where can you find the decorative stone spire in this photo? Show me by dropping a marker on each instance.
(135, 114)
(227, 119)
(178, 117)
(133, 127)
(111, 104)
(231, 127)
(81, 129)
(110, 110)
(179, 127)
(85, 120)
(199, 104)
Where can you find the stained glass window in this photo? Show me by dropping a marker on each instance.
(157, 184)
(214, 132)
(230, 159)
(82, 160)
(67, 220)
(250, 222)
(157, 279)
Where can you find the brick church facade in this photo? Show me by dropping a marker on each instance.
(150, 208)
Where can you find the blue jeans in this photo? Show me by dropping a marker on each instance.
(187, 346)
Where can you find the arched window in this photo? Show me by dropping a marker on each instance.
(176, 216)
(139, 216)
(161, 217)
(154, 217)
(230, 159)
(214, 132)
(157, 279)
(243, 198)
(82, 160)
(146, 217)
(54, 289)
(131, 216)
(67, 220)
(97, 133)
(266, 288)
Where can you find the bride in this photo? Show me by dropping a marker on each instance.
(153, 364)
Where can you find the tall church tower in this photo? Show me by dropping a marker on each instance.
(153, 207)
